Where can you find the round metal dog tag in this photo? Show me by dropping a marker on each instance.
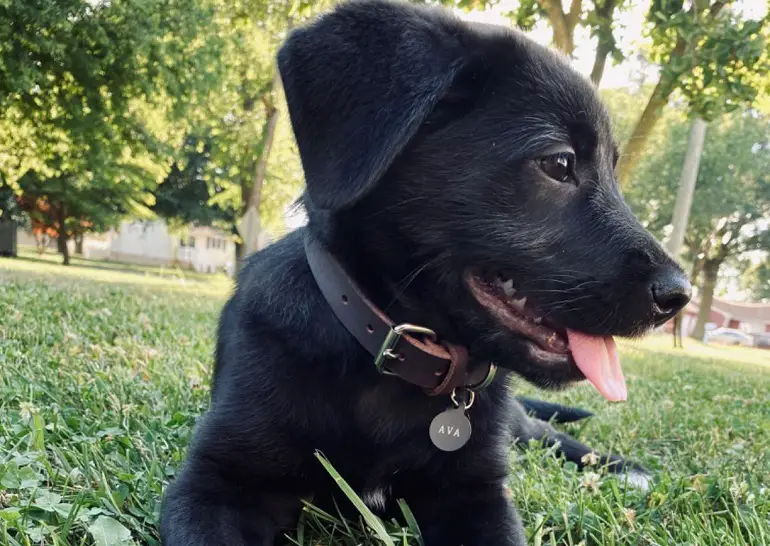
(450, 430)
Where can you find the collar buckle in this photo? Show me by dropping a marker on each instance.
(392, 338)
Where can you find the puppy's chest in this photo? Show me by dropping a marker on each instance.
(387, 413)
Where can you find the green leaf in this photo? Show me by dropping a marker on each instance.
(108, 531)
(64, 509)
(29, 478)
(19, 478)
(46, 500)
(10, 514)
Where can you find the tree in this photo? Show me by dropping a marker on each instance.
(705, 49)
(684, 203)
(686, 186)
(707, 53)
(245, 119)
(756, 280)
(597, 15)
(731, 202)
(98, 98)
(184, 197)
(68, 207)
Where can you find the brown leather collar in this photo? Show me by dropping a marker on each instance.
(410, 352)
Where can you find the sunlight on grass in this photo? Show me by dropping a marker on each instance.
(49, 267)
(664, 344)
(104, 369)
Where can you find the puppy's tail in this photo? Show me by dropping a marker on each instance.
(547, 411)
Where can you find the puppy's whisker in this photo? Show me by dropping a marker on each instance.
(569, 286)
(397, 205)
(569, 305)
(565, 291)
(402, 285)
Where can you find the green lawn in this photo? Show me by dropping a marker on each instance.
(103, 370)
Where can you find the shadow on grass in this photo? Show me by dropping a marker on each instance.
(94, 264)
(26, 268)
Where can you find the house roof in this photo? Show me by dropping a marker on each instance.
(745, 312)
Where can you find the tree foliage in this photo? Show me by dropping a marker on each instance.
(707, 52)
(184, 197)
(251, 156)
(174, 107)
(93, 99)
(598, 16)
(732, 194)
(756, 280)
(731, 205)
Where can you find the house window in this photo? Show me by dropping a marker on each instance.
(189, 242)
(218, 244)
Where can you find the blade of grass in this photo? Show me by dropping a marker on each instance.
(371, 520)
(411, 521)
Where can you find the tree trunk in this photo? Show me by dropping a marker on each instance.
(632, 151)
(678, 330)
(79, 244)
(710, 271)
(268, 135)
(563, 24)
(679, 319)
(41, 241)
(563, 39)
(687, 186)
(63, 249)
(251, 191)
(238, 256)
(604, 13)
(600, 61)
(697, 266)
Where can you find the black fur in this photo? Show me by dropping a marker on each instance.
(556, 413)
(419, 137)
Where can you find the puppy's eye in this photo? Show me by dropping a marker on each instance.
(559, 166)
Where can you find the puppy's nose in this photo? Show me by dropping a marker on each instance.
(670, 293)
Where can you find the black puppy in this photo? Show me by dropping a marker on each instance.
(461, 179)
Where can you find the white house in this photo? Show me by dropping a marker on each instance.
(203, 249)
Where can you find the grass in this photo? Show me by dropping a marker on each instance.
(104, 368)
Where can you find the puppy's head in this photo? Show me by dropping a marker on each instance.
(468, 173)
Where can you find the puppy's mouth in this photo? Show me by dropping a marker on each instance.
(550, 344)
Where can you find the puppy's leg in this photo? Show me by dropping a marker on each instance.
(197, 516)
(478, 515)
(547, 411)
(525, 428)
(221, 499)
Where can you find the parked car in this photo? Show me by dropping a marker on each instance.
(761, 341)
(729, 336)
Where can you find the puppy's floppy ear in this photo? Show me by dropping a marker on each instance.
(359, 82)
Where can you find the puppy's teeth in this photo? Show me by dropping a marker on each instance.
(508, 288)
(537, 320)
(519, 304)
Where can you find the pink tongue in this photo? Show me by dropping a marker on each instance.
(597, 358)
